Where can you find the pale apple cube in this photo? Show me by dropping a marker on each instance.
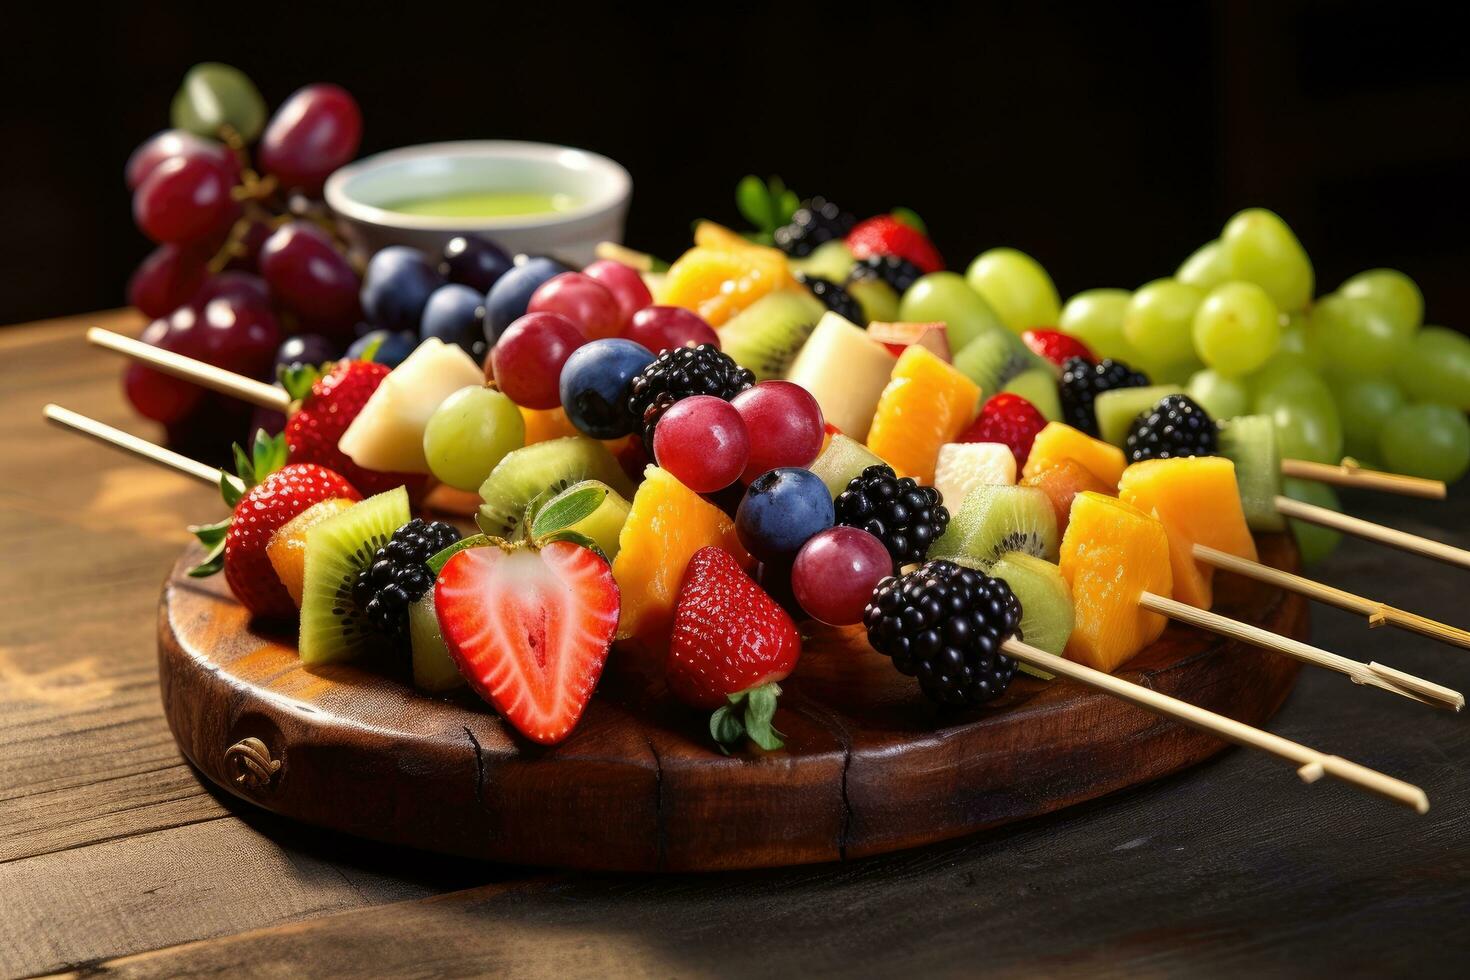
(963, 466)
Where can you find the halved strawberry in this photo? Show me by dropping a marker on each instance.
(1056, 346)
(1007, 417)
(529, 630)
(889, 235)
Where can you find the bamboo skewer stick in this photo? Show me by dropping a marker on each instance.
(256, 393)
(1371, 674)
(1402, 540)
(1378, 613)
(1349, 473)
(1311, 764)
(105, 433)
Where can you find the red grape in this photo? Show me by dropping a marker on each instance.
(185, 199)
(785, 425)
(244, 286)
(240, 335)
(581, 299)
(661, 328)
(314, 132)
(310, 277)
(702, 441)
(166, 280)
(526, 361)
(158, 396)
(835, 573)
(175, 143)
(624, 283)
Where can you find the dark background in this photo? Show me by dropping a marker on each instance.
(1106, 140)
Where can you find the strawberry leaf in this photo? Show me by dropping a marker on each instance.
(230, 489)
(787, 207)
(212, 536)
(439, 560)
(726, 728)
(756, 204)
(575, 538)
(760, 708)
(567, 508)
(244, 468)
(371, 350)
(297, 379)
(911, 218)
(267, 454)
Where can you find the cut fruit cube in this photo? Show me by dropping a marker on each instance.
(666, 525)
(1045, 597)
(539, 472)
(898, 336)
(994, 520)
(1117, 410)
(962, 466)
(434, 670)
(718, 283)
(767, 335)
(603, 525)
(845, 371)
(1249, 441)
(1039, 387)
(926, 404)
(1198, 502)
(842, 461)
(287, 547)
(876, 298)
(545, 424)
(1062, 482)
(1111, 555)
(1059, 441)
(388, 434)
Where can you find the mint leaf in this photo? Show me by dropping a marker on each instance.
(567, 508)
(754, 202)
(437, 563)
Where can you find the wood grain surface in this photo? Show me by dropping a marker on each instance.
(116, 858)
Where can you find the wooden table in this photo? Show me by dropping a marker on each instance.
(115, 857)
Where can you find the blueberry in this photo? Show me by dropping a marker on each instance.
(473, 261)
(393, 348)
(398, 282)
(506, 301)
(782, 509)
(594, 386)
(306, 348)
(456, 315)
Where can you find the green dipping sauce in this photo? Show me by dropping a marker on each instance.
(484, 204)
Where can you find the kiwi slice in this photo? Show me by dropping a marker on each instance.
(876, 297)
(830, 260)
(843, 459)
(766, 335)
(996, 519)
(332, 627)
(993, 358)
(434, 670)
(543, 470)
(1039, 387)
(1046, 600)
(1249, 441)
(1118, 409)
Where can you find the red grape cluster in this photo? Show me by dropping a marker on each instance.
(248, 268)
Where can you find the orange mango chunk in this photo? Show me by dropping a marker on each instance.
(287, 547)
(1062, 482)
(926, 404)
(719, 282)
(1059, 441)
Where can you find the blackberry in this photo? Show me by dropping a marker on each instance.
(895, 270)
(906, 516)
(677, 374)
(398, 575)
(944, 624)
(1175, 427)
(816, 221)
(1082, 382)
(834, 298)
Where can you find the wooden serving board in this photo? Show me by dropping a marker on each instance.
(870, 765)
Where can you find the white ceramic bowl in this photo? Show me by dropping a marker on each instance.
(359, 192)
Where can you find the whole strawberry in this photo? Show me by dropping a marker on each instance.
(889, 235)
(329, 403)
(730, 647)
(1010, 419)
(1056, 346)
(267, 496)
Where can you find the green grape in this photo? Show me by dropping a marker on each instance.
(1159, 321)
(1304, 412)
(1222, 397)
(1435, 367)
(469, 433)
(1432, 441)
(1363, 404)
(945, 297)
(213, 96)
(1393, 292)
(1359, 340)
(1207, 268)
(1236, 328)
(830, 260)
(1016, 287)
(1095, 317)
(1260, 248)
(1314, 542)
(1299, 342)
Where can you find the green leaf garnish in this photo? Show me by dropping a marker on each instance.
(297, 379)
(911, 218)
(574, 504)
(437, 563)
(212, 536)
(371, 350)
(754, 202)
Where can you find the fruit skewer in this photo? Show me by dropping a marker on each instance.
(1312, 764)
(1356, 526)
(1349, 473)
(248, 390)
